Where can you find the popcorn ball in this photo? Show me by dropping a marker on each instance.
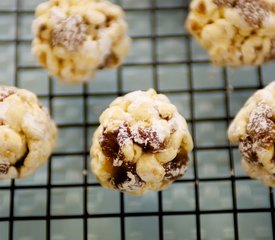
(75, 38)
(234, 32)
(254, 130)
(142, 144)
(27, 133)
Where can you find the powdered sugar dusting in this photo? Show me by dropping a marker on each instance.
(117, 162)
(148, 138)
(124, 135)
(123, 138)
(248, 151)
(225, 3)
(70, 33)
(176, 123)
(4, 107)
(261, 126)
(261, 133)
(138, 96)
(175, 172)
(254, 11)
(57, 15)
(162, 131)
(176, 168)
(104, 44)
(133, 184)
(5, 92)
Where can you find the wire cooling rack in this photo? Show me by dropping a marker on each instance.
(63, 201)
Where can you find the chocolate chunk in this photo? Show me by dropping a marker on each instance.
(254, 11)
(247, 150)
(109, 144)
(4, 167)
(112, 142)
(176, 168)
(148, 139)
(120, 173)
(125, 177)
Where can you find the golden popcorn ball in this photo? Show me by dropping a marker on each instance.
(142, 144)
(27, 133)
(254, 130)
(234, 32)
(75, 38)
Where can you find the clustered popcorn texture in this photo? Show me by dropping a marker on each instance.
(234, 32)
(254, 130)
(75, 38)
(27, 133)
(142, 143)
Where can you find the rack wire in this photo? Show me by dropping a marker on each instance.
(215, 200)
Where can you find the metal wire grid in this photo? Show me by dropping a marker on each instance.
(152, 7)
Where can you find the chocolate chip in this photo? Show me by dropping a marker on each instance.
(109, 144)
(125, 177)
(175, 168)
(120, 173)
(112, 142)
